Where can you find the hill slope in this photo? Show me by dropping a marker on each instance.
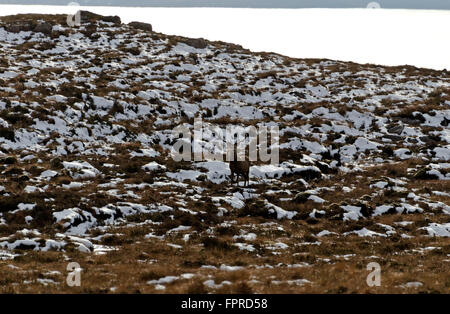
(86, 120)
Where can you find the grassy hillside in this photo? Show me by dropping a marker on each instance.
(86, 175)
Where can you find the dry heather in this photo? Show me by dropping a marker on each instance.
(86, 120)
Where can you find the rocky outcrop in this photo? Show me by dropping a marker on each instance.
(88, 17)
(301, 197)
(44, 28)
(21, 26)
(30, 26)
(198, 43)
(395, 128)
(142, 26)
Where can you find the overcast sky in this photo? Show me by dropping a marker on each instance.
(407, 4)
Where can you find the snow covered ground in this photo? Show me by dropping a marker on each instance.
(388, 37)
(86, 131)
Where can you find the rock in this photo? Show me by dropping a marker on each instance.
(88, 17)
(395, 129)
(142, 26)
(21, 26)
(233, 47)
(256, 208)
(392, 210)
(56, 163)
(198, 43)
(325, 168)
(415, 120)
(387, 151)
(366, 209)
(312, 221)
(423, 174)
(301, 197)
(112, 19)
(310, 173)
(44, 28)
(334, 212)
(202, 178)
(394, 138)
(13, 171)
(24, 178)
(7, 133)
(9, 160)
(430, 139)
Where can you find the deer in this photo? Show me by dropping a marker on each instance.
(240, 168)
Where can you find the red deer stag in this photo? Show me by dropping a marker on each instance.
(240, 168)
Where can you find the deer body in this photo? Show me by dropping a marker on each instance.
(240, 168)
